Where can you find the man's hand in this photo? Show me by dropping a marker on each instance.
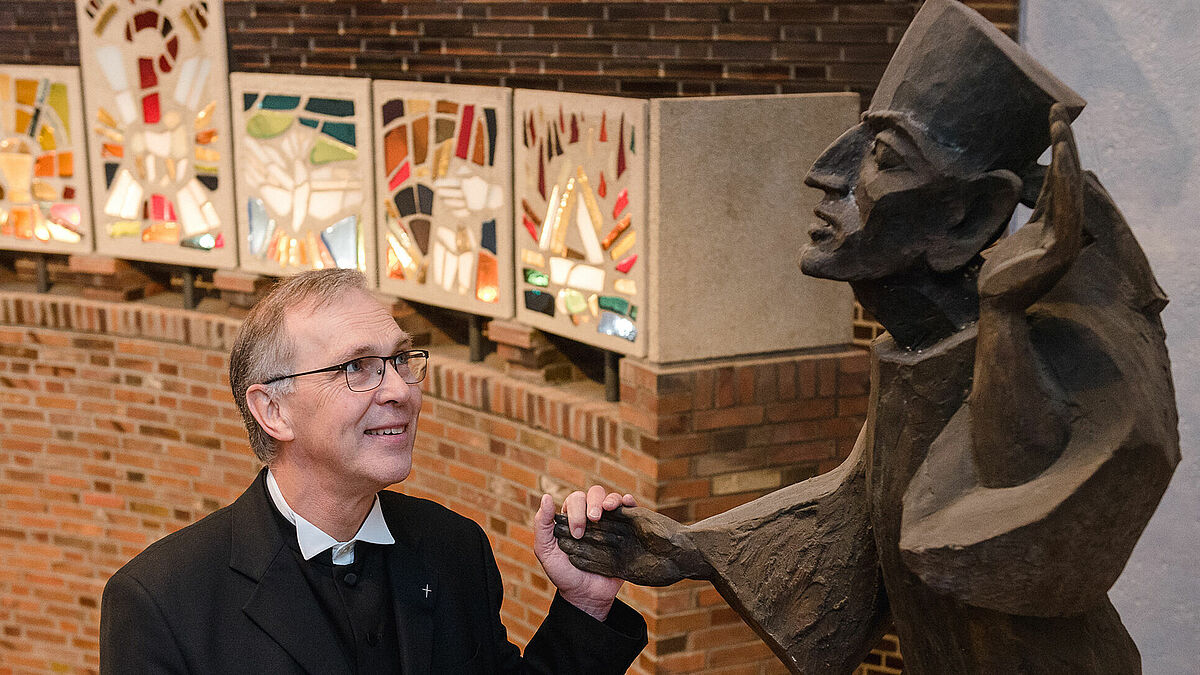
(592, 593)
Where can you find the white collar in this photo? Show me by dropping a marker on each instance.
(314, 540)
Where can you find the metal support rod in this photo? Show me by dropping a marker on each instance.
(43, 274)
(612, 376)
(475, 337)
(188, 283)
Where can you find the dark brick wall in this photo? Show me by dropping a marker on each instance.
(650, 48)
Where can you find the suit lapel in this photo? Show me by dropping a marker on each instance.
(282, 604)
(414, 590)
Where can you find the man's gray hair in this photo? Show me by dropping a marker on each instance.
(263, 348)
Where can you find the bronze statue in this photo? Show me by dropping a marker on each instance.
(1022, 423)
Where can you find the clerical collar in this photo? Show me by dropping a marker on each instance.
(313, 540)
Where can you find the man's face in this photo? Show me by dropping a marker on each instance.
(885, 205)
(360, 442)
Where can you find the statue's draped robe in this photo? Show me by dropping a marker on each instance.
(977, 580)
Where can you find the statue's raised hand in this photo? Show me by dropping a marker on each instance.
(1022, 267)
(634, 544)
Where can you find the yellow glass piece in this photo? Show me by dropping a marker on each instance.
(17, 169)
(46, 138)
(207, 155)
(622, 247)
(165, 232)
(442, 158)
(6, 226)
(23, 119)
(27, 92)
(171, 119)
(594, 304)
(111, 135)
(191, 25)
(625, 286)
(558, 238)
(60, 103)
(40, 231)
(5, 88)
(589, 200)
(124, 228)
(59, 233)
(104, 18)
(44, 192)
(417, 106)
(205, 116)
(105, 118)
(532, 258)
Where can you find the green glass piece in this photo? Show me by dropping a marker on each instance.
(248, 101)
(536, 277)
(277, 102)
(268, 124)
(309, 122)
(614, 304)
(330, 106)
(633, 312)
(573, 300)
(342, 131)
(58, 100)
(326, 150)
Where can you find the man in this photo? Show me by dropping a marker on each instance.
(1022, 424)
(316, 568)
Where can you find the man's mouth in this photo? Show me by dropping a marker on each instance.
(387, 431)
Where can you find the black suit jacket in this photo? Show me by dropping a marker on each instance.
(226, 595)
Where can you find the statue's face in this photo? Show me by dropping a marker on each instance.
(887, 204)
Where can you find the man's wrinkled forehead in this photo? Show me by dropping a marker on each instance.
(321, 314)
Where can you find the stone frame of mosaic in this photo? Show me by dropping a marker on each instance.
(156, 92)
(444, 198)
(51, 199)
(305, 187)
(579, 210)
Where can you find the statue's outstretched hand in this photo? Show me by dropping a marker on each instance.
(634, 544)
(1021, 268)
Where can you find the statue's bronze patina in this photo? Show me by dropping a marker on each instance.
(1022, 423)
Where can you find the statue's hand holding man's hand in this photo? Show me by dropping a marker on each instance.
(590, 592)
(1021, 268)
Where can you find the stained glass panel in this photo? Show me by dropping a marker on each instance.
(579, 193)
(160, 153)
(443, 177)
(303, 179)
(44, 201)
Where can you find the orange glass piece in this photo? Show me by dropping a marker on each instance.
(27, 91)
(322, 258)
(23, 119)
(479, 153)
(66, 164)
(420, 133)
(21, 219)
(206, 136)
(43, 167)
(395, 269)
(395, 147)
(164, 232)
(448, 107)
(112, 150)
(487, 278)
(6, 225)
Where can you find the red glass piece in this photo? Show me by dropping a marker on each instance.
(622, 202)
(220, 241)
(68, 193)
(541, 172)
(604, 127)
(146, 70)
(158, 207)
(562, 122)
(602, 190)
(164, 65)
(529, 226)
(574, 129)
(173, 46)
(621, 149)
(532, 130)
(625, 265)
(464, 132)
(150, 113)
(146, 19)
(401, 176)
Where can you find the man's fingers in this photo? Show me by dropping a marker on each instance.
(595, 502)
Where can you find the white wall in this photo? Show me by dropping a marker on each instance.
(1137, 62)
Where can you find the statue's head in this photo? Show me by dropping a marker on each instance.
(930, 176)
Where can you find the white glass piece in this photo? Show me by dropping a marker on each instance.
(151, 168)
(278, 199)
(193, 98)
(461, 213)
(548, 222)
(158, 142)
(495, 197)
(179, 143)
(299, 206)
(475, 189)
(125, 107)
(591, 245)
(586, 277)
(191, 221)
(261, 226)
(181, 167)
(187, 73)
(560, 268)
(324, 204)
(60, 233)
(280, 177)
(341, 239)
(617, 325)
(352, 198)
(171, 119)
(625, 286)
(113, 67)
(115, 206)
(256, 149)
(445, 236)
(466, 271)
(210, 215)
(532, 258)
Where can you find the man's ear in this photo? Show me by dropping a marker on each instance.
(990, 200)
(269, 413)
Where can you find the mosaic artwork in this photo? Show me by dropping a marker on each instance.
(154, 75)
(44, 202)
(443, 177)
(580, 209)
(304, 172)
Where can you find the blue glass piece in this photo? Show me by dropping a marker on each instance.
(341, 239)
(330, 106)
(538, 301)
(487, 238)
(342, 131)
(309, 122)
(278, 102)
(393, 109)
(110, 172)
(261, 226)
(616, 325)
(406, 202)
(489, 115)
(248, 101)
(425, 197)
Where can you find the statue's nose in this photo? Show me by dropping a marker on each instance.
(835, 169)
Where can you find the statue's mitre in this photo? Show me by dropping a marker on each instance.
(971, 89)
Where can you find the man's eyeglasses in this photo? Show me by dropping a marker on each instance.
(366, 372)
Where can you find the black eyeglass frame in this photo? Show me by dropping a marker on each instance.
(402, 357)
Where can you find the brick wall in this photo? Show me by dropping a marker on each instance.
(652, 48)
(117, 427)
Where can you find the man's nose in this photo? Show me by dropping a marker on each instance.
(836, 168)
(393, 387)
